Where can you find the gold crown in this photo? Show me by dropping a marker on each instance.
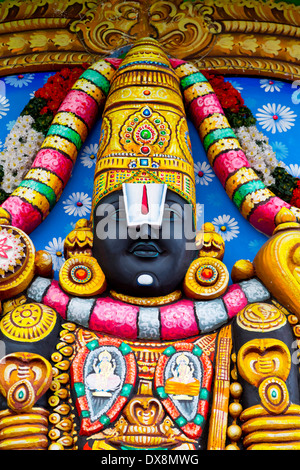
(144, 135)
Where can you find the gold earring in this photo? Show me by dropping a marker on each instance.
(206, 278)
(82, 276)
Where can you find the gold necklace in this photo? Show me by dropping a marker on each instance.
(147, 302)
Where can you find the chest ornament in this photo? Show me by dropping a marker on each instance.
(103, 374)
(182, 381)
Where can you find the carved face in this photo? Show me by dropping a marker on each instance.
(145, 260)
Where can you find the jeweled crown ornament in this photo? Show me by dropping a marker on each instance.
(144, 135)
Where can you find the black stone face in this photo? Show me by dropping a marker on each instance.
(144, 261)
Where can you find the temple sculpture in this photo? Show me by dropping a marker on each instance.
(144, 342)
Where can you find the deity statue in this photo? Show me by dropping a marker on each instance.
(143, 343)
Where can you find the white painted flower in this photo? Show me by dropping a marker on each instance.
(254, 245)
(235, 84)
(89, 155)
(226, 226)
(10, 125)
(266, 172)
(260, 166)
(293, 169)
(55, 248)
(275, 117)
(47, 76)
(269, 180)
(78, 204)
(270, 85)
(4, 106)
(280, 149)
(18, 81)
(203, 173)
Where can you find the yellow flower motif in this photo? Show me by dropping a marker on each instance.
(271, 46)
(16, 43)
(38, 40)
(294, 51)
(62, 39)
(249, 44)
(225, 42)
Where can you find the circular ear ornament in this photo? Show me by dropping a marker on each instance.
(82, 276)
(206, 278)
(17, 261)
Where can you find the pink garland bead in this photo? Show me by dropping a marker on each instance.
(23, 214)
(228, 163)
(235, 300)
(114, 61)
(176, 62)
(57, 299)
(178, 320)
(82, 105)
(203, 107)
(114, 318)
(53, 160)
(263, 217)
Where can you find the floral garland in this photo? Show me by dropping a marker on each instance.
(27, 135)
(255, 144)
(31, 202)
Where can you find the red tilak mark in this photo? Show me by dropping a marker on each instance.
(145, 208)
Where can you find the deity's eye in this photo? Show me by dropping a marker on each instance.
(172, 215)
(118, 215)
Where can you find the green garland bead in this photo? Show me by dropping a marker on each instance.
(217, 134)
(246, 189)
(42, 189)
(67, 133)
(97, 79)
(197, 77)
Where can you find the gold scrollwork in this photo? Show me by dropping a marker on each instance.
(233, 35)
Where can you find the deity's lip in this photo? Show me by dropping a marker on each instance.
(145, 250)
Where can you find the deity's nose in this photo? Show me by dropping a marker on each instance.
(144, 232)
(149, 232)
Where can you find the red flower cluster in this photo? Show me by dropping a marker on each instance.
(57, 86)
(229, 97)
(295, 200)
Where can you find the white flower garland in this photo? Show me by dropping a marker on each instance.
(259, 152)
(20, 148)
